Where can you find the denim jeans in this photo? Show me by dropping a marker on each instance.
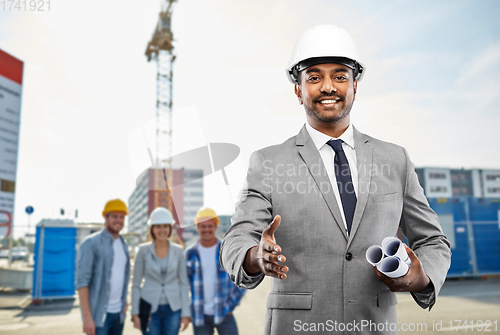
(164, 321)
(226, 327)
(112, 325)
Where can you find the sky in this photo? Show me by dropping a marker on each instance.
(431, 85)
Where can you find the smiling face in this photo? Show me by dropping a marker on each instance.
(161, 232)
(207, 230)
(113, 222)
(327, 92)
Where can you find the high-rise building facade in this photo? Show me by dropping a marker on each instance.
(150, 193)
(193, 195)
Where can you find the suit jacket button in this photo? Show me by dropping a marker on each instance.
(348, 256)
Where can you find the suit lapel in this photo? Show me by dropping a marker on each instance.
(364, 157)
(155, 266)
(312, 158)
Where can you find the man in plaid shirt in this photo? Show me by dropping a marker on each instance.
(214, 296)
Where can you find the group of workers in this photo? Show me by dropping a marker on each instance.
(170, 287)
(307, 229)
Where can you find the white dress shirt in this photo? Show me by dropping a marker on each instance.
(328, 155)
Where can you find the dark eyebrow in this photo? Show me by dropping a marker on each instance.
(336, 70)
(312, 69)
(340, 70)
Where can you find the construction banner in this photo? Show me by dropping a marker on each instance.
(11, 80)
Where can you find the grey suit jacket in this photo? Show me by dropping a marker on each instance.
(329, 278)
(148, 284)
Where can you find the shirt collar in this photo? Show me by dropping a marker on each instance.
(198, 243)
(107, 235)
(320, 138)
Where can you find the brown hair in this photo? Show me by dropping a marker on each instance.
(151, 235)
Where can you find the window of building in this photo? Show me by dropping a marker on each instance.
(493, 189)
(192, 179)
(439, 189)
(493, 177)
(193, 194)
(193, 203)
(435, 175)
(461, 190)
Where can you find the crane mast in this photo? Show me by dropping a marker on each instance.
(160, 49)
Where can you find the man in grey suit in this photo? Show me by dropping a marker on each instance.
(313, 205)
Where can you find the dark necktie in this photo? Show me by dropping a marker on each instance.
(344, 182)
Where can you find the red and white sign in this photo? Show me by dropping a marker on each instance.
(11, 81)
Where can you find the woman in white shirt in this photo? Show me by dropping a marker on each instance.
(160, 267)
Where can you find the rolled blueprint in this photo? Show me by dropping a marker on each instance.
(390, 258)
(374, 255)
(393, 267)
(392, 246)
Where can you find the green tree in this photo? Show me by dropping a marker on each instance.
(19, 242)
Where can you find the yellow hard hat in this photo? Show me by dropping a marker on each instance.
(115, 205)
(205, 214)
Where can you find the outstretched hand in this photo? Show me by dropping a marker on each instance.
(415, 280)
(267, 255)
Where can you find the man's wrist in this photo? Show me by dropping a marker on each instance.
(248, 264)
(86, 313)
(428, 288)
(425, 283)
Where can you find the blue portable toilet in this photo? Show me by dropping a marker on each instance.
(484, 216)
(55, 254)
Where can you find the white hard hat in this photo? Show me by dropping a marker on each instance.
(322, 41)
(160, 215)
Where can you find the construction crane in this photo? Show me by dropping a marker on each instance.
(160, 49)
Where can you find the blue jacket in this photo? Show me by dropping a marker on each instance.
(93, 269)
